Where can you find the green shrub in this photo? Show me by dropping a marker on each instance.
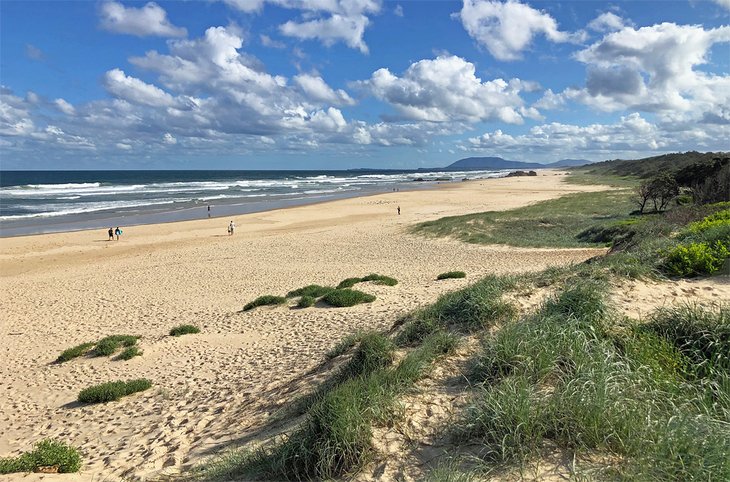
(129, 353)
(375, 278)
(347, 297)
(110, 391)
(184, 330)
(315, 291)
(348, 283)
(264, 301)
(107, 346)
(696, 259)
(306, 301)
(451, 275)
(379, 279)
(74, 352)
(720, 218)
(46, 453)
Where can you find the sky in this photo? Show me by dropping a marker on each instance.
(339, 84)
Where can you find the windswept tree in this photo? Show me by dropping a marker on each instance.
(660, 190)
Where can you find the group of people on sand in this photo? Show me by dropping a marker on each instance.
(231, 228)
(114, 232)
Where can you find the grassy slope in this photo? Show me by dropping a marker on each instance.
(639, 399)
(649, 166)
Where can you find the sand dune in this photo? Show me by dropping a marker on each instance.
(214, 387)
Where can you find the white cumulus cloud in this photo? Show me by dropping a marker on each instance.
(315, 88)
(136, 91)
(607, 22)
(151, 19)
(447, 89)
(507, 28)
(64, 107)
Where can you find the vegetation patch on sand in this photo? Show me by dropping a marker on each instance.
(184, 330)
(74, 352)
(111, 391)
(451, 275)
(109, 345)
(47, 456)
(315, 291)
(265, 300)
(342, 298)
(377, 279)
(129, 353)
(306, 301)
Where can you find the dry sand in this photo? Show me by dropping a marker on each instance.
(215, 388)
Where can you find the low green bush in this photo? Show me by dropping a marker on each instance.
(315, 291)
(720, 218)
(46, 453)
(696, 259)
(71, 353)
(265, 300)
(451, 275)
(109, 345)
(110, 391)
(347, 297)
(184, 330)
(129, 353)
(375, 278)
(306, 301)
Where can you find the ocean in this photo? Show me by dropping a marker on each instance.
(33, 202)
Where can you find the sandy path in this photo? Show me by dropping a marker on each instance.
(60, 290)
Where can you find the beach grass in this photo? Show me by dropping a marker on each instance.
(377, 279)
(184, 330)
(314, 291)
(344, 345)
(47, 455)
(112, 391)
(107, 346)
(265, 300)
(554, 223)
(306, 301)
(346, 297)
(129, 353)
(451, 275)
(74, 352)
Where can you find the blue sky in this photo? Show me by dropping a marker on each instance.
(331, 84)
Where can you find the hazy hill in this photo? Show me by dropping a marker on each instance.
(499, 163)
(650, 166)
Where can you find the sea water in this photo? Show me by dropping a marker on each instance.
(34, 202)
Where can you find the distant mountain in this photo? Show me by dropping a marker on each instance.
(569, 163)
(499, 163)
(490, 163)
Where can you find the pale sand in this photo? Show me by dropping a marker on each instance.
(216, 387)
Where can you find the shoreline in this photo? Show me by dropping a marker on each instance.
(63, 289)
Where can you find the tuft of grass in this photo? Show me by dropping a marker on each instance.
(347, 297)
(306, 301)
(344, 345)
(378, 279)
(471, 308)
(315, 291)
(74, 352)
(265, 300)
(184, 330)
(45, 454)
(451, 275)
(111, 391)
(109, 345)
(129, 353)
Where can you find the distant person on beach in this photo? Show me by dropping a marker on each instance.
(111, 234)
(398, 210)
(118, 232)
(208, 210)
(231, 228)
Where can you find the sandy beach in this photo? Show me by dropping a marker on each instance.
(217, 387)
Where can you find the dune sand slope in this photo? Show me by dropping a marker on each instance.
(214, 388)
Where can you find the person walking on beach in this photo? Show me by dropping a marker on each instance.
(398, 210)
(231, 227)
(111, 234)
(208, 210)
(117, 231)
